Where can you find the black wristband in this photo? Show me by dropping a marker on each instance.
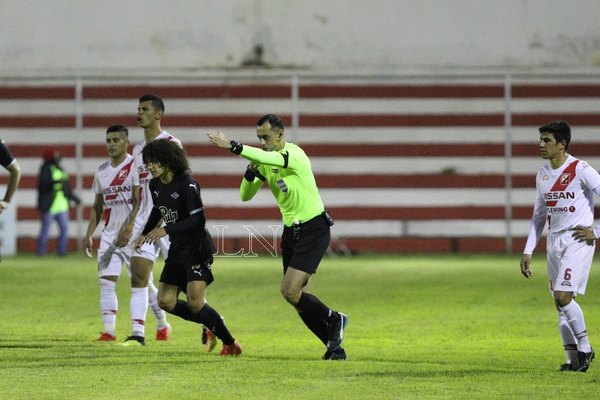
(249, 175)
(236, 147)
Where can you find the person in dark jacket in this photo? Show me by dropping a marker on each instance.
(54, 200)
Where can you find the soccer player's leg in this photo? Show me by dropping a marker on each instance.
(175, 277)
(108, 308)
(109, 270)
(569, 343)
(571, 278)
(163, 328)
(141, 266)
(199, 277)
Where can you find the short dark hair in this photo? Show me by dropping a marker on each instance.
(157, 102)
(168, 154)
(560, 129)
(118, 128)
(272, 119)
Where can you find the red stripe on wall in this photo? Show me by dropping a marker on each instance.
(339, 150)
(359, 181)
(310, 120)
(344, 213)
(170, 92)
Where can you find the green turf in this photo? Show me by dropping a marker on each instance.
(443, 326)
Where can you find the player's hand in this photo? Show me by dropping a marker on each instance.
(525, 263)
(139, 242)
(3, 205)
(124, 236)
(154, 235)
(582, 233)
(219, 139)
(87, 247)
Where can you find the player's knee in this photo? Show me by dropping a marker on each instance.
(139, 277)
(561, 299)
(289, 294)
(166, 302)
(140, 271)
(195, 305)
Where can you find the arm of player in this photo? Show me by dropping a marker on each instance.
(525, 263)
(538, 220)
(95, 216)
(13, 182)
(151, 227)
(592, 180)
(583, 234)
(194, 222)
(126, 231)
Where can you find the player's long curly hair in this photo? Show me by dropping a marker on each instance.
(168, 154)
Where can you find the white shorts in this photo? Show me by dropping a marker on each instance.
(569, 262)
(149, 251)
(112, 258)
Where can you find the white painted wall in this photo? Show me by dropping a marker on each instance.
(352, 35)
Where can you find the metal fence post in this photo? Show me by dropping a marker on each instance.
(508, 161)
(295, 107)
(79, 156)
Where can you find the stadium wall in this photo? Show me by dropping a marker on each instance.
(335, 35)
(410, 164)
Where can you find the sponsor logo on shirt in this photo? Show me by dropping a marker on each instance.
(565, 179)
(117, 189)
(559, 195)
(168, 215)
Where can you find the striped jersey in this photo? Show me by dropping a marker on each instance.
(115, 185)
(142, 178)
(564, 198)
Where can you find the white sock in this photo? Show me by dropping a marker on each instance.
(108, 305)
(138, 306)
(568, 339)
(576, 322)
(159, 313)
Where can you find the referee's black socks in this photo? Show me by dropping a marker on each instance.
(311, 304)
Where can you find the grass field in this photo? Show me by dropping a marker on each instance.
(435, 327)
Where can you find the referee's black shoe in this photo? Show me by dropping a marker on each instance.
(338, 355)
(336, 332)
(584, 360)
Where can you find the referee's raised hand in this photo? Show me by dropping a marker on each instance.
(219, 139)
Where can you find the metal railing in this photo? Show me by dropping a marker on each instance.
(296, 81)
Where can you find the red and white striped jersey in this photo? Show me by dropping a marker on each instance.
(564, 198)
(142, 177)
(115, 185)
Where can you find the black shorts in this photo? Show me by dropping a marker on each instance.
(179, 274)
(304, 245)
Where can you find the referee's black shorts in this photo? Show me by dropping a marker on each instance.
(304, 245)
